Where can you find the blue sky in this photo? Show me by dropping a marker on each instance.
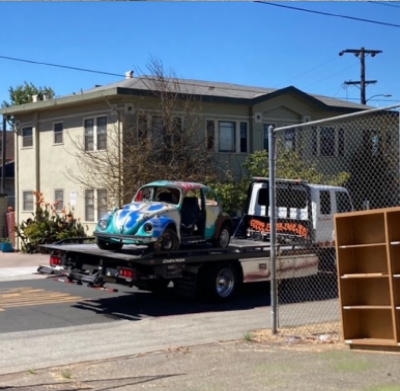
(238, 42)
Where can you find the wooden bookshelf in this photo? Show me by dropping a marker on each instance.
(368, 260)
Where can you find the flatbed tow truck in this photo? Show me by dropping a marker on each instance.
(200, 270)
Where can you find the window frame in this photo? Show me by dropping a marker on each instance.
(95, 135)
(95, 204)
(30, 192)
(58, 131)
(27, 137)
(59, 208)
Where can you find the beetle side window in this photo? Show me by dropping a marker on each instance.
(211, 198)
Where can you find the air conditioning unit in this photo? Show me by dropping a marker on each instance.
(258, 118)
(129, 108)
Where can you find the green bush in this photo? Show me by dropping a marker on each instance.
(47, 226)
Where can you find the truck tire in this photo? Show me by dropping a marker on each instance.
(108, 246)
(220, 282)
(224, 236)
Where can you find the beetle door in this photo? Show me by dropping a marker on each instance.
(212, 209)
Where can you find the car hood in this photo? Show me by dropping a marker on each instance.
(131, 217)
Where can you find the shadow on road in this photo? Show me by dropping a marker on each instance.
(139, 304)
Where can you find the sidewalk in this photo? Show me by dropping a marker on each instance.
(17, 265)
(233, 366)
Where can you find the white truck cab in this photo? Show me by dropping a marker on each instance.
(304, 211)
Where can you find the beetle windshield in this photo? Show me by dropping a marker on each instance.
(169, 195)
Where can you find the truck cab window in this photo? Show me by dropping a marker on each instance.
(343, 203)
(325, 202)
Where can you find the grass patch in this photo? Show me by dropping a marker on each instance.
(353, 365)
(248, 337)
(384, 388)
(32, 371)
(66, 374)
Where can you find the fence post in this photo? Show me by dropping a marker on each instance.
(272, 206)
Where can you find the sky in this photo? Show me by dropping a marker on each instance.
(239, 42)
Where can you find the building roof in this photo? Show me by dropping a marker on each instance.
(208, 90)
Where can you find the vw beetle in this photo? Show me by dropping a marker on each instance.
(165, 214)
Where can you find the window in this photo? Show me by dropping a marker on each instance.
(227, 139)
(101, 202)
(27, 200)
(285, 197)
(325, 202)
(327, 140)
(58, 133)
(89, 139)
(142, 126)
(101, 133)
(210, 134)
(95, 204)
(266, 136)
(95, 129)
(314, 141)
(343, 203)
(290, 139)
(341, 142)
(59, 199)
(243, 137)
(211, 198)
(27, 137)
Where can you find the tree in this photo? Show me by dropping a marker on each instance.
(23, 93)
(167, 142)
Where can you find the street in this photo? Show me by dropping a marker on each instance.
(44, 322)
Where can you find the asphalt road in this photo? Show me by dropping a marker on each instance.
(46, 304)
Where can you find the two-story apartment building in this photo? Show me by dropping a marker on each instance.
(234, 122)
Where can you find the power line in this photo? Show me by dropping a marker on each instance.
(60, 66)
(373, 99)
(332, 75)
(382, 3)
(330, 14)
(308, 71)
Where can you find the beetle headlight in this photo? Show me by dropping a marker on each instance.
(148, 227)
(103, 224)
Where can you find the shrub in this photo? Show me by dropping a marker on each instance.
(47, 226)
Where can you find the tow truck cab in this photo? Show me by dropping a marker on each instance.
(304, 211)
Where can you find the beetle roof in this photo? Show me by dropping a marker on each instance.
(178, 184)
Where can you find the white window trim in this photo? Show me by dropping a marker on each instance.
(23, 202)
(54, 132)
(22, 136)
(94, 118)
(237, 134)
(95, 201)
(63, 196)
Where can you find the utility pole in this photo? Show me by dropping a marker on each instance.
(360, 53)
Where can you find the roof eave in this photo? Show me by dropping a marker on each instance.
(51, 103)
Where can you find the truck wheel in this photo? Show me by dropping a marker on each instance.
(220, 283)
(108, 246)
(168, 241)
(224, 237)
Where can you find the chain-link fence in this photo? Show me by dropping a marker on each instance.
(339, 164)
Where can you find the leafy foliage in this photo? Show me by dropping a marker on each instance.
(23, 93)
(289, 164)
(47, 226)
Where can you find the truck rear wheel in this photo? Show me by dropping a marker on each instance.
(220, 282)
(108, 246)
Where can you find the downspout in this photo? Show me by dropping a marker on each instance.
(37, 152)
